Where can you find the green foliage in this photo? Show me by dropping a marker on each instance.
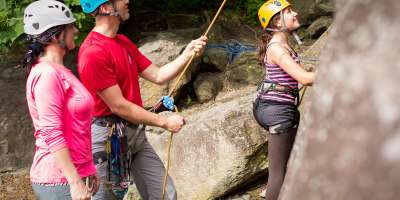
(11, 21)
(251, 8)
(11, 12)
(11, 25)
(248, 9)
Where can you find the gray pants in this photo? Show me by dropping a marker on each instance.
(59, 192)
(147, 168)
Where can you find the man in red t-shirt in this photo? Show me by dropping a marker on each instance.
(109, 65)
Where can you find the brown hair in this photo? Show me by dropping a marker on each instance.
(265, 39)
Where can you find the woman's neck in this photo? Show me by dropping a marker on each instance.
(53, 53)
(281, 37)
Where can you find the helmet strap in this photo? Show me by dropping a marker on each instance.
(61, 42)
(285, 29)
(113, 13)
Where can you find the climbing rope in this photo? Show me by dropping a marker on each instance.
(167, 100)
(171, 136)
(191, 58)
(307, 60)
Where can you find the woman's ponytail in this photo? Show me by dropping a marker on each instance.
(262, 47)
(32, 54)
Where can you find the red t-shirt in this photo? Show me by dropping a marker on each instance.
(104, 62)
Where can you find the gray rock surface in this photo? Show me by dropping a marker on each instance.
(245, 70)
(220, 148)
(16, 132)
(318, 27)
(161, 50)
(349, 145)
(207, 86)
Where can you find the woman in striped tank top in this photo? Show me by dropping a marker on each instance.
(275, 108)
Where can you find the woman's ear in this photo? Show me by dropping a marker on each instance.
(277, 22)
(58, 37)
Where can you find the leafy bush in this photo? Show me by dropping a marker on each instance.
(11, 20)
(11, 13)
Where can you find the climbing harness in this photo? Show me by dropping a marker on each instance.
(167, 101)
(270, 86)
(116, 154)
(267, 86)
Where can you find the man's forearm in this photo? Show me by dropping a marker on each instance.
(138, 115)
(172, 69)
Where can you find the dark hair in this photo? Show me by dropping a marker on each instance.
(34, 50)
(265, 39)
(36, 45)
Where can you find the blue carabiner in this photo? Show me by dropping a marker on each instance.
(168, 102)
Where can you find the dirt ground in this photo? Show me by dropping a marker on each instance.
(16, 186)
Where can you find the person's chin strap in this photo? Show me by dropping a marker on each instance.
(62, 40)
(113, 13)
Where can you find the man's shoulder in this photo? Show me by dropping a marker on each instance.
(92, 43)
(126, 40)
(92, 47)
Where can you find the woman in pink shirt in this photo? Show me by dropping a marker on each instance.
(60, 107)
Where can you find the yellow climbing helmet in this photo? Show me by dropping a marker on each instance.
(269, 9)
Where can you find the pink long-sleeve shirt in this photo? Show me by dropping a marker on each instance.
(61, 110)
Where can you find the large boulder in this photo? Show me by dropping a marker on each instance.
(162, 49)
(245, 70)
(318, 27)
(216, 57)
(349, 145)
(220, 148)
(207, 86)
(310, 10)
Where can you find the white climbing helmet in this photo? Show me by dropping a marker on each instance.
(41, 15)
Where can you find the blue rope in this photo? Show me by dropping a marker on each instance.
(233, 47)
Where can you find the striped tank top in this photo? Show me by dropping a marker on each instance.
(275, 74)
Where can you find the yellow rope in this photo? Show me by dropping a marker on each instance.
(192, 57)
(168, 160)
(176, 109)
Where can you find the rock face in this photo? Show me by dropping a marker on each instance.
(349, 145)
(245, 70)
(219, 149)
(310, 10)
(310, 59)
(162, 49)
(318, 27)
(207, 86)
(16, 134)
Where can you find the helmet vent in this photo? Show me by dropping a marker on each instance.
(51, 6)
(63, 8)
(68, 14)
(56, 6)
(88, 5)
(35, 25)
